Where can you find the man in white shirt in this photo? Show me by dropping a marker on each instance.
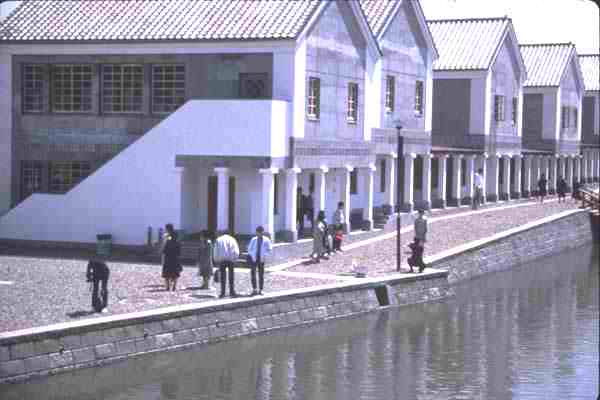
(478, 189)
(226, 253)
(259, 250)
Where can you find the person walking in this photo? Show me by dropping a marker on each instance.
(542, 190)
(97, 274)
(561, 189)
(478, 197)
(338, 221)
(420, 226)
(205, 259)
(226, 253)
(309, 209)
(171, 263)
(575, 192)
(259, 249)
(318, 236)
(300, 211)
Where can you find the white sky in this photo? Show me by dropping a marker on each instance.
(535, 21)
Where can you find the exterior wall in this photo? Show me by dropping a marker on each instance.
(336, 53)
(590, 124)
(451, 112)
(570, 96)
(505, 82)
(97, 136)
(405, 58)
(6, 138)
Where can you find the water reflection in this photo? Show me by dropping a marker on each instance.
(522, 334)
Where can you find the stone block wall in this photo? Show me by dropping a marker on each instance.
(49, 350)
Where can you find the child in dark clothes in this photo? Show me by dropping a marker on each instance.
(416, 258)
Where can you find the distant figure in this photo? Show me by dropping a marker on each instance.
(575, 192)
(542, 191)
(318, 235)
(171, 264)
(259, 249)
(338, 222)
(478, 196)
(205, 259)
(328, 236)
(300, 210)
(420, 226)
(309, 209)
(416, 258)
(561, 189)
(98, 273)
(226, 253)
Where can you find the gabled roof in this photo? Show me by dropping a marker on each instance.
(107, 20)
(546, 63)
(468, 44)
(380, 13)
(590, 69)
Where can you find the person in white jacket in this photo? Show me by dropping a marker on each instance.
(226, 253)
(259, 249)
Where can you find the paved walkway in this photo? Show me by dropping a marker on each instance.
(38, 291)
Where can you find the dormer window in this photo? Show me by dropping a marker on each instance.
(419, 98)
(390, 93)
(499, 108)
(314, 98)
(515, 110)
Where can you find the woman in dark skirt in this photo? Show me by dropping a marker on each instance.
(542, 191)
(171, 264)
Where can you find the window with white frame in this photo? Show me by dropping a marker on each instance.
(168, 87)
(419, 98)
(34, 83)
(65, 175)
(499, 108)
(72, 87)
(313, 104)
(515, 110)
(31, 177)
(564, 117)
(352, 115)
(390, 93)
(575, 116)
(122, 88)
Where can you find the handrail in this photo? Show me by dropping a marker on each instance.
(589, 198)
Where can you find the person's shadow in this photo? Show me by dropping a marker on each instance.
(79, 314)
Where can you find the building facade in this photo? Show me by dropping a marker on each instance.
(590, 118)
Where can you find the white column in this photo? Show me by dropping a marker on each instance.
(291, 187)
(492, 177)
(569, 173)
(426, 181)
(527, 176)
(390, 190)
(367, 179)
(470, 177)
(441, 179)
(506, 177)
(553, 174)
(409, 175)
(482, 164)
(267, 216)
(596, 169)
(455, 190)
(345, 194)
(222, 199)
(517, 174)
(320, 177)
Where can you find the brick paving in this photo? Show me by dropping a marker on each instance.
(38, 290)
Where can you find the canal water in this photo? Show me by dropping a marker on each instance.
(529, 333)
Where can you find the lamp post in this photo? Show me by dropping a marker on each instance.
(399, 195)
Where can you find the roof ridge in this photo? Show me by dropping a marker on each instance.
(506, 17)
(546, 44)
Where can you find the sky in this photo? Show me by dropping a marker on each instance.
(535, 21)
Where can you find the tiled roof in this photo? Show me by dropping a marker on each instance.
(546, 63)
(378, 12)
(467, 44)
(51, 20)
(590, 68)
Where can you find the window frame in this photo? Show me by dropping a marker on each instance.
(67, 168)
(122, 88)
(64, 89)
(178, 99)
(390, 93)
(352, 103)
(36, 169)
(419, 96)
(313, 98)
(39, 92)
(564, 117)
(575, 117)
(515, 110)
(499, 107)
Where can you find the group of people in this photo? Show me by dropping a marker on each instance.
(221, 253)
(327, 239)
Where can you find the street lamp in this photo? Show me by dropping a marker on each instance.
(399, 195)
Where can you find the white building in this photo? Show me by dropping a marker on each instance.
(590, 117)
(223, 109)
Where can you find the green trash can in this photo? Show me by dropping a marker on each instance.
(103, 244)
